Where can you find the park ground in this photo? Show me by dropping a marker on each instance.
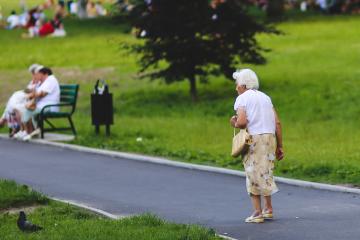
(312, 75)
(62, 221)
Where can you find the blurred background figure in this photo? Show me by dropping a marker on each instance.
(95, 9)
(54, 28)
(91, 10)
(101, 11)
(13, 21)
(1, 16)
(48, 4)
(60, 9)
(73, 7)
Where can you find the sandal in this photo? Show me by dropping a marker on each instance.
(267, 215)
(255, 219)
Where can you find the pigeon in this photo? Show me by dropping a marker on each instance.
(25, 225)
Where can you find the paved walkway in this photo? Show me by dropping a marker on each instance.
(123, 187)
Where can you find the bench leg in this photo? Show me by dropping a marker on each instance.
(72, 126)
(41, 126)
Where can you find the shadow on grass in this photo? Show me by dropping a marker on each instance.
(105, 25)
(172, 101)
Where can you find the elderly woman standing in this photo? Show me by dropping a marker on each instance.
(256, 113)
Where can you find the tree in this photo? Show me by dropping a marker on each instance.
(186, 39)
(275, 9)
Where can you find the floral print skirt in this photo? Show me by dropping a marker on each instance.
(259, 165)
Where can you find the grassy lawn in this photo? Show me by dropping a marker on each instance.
(13, 195)
(312, 76)
(62, 221)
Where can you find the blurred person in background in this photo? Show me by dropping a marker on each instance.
(13, 20)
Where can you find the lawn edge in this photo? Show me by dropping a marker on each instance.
(102, 212)
(109, 215)
(191, 166)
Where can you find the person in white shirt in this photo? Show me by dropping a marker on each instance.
(17, 102)
(9, 116)
(13, 20)
(255, 112)
(47, 93)
(322, 4)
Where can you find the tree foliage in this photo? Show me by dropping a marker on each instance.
(275, 9)
(186, 39)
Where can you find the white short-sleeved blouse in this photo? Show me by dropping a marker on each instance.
(259, 111)
(52, 88)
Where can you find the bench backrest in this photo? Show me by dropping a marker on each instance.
(68, 94)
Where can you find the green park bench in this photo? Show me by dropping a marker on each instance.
(68, 99)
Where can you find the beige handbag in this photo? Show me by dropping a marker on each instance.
(241, 143)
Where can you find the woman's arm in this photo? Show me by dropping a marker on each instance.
(239, 121)
(278, 133)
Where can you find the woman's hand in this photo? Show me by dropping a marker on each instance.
(279, 153)
(233, 120)
(30, 96)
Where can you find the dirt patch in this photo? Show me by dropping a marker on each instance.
(13, 80)
(27, 209)
(84, 75)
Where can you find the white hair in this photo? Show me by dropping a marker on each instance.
(38, 68)
(34, 66)
(247, 78)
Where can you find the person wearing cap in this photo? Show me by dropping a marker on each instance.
(256, 113)
(47, 93)
(16, 104)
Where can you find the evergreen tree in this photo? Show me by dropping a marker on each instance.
(190, 39)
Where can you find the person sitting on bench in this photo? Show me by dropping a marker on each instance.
(46, 94)
(16, 103)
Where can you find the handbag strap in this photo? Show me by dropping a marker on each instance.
(235, 131)
(240, 129)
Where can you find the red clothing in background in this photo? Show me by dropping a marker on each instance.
(46, 29)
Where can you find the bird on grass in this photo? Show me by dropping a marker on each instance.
(25, 225)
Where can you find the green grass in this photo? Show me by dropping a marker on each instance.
(65, 222)
(312, 76)
(62, 221)
(13, 195)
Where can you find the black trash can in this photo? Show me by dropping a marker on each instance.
(102, 112)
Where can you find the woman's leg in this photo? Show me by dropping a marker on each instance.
(18, 120)
(256, 202)
(29, 127)
(256, 217)
(268, 204)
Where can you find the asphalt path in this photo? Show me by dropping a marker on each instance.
(126, 187)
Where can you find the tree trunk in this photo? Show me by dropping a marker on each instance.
(193, 91)
(82, 14)
(275, 9)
